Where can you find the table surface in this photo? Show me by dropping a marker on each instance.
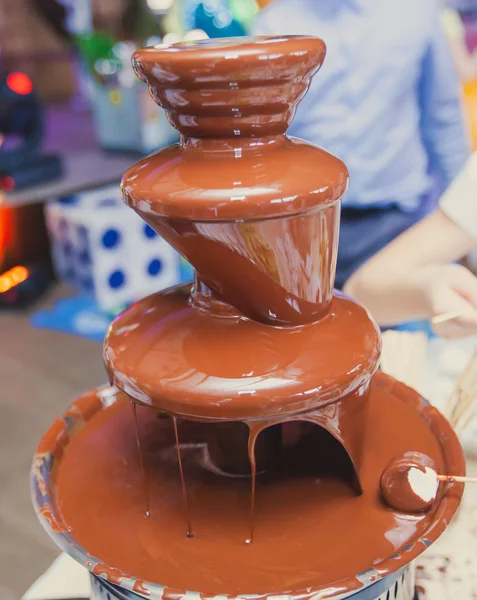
(70, 134)
(82, 170)
(41, 373)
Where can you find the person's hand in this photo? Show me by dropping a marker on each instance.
(450, 290)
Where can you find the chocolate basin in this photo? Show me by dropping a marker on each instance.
(391, 575)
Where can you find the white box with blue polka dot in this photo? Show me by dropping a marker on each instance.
(107, 251)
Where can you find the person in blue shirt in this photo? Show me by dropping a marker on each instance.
(387, 102)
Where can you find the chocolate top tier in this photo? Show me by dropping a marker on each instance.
(231, 87)
(254, 211)
(232, 100)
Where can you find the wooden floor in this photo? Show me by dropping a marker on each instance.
(41, 372)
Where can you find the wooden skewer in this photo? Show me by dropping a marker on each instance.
(403, 356)
(457, 479)
(445, 317)
(460, 406)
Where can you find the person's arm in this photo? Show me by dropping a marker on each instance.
(411, 278)
(443, 126)
(459, 202)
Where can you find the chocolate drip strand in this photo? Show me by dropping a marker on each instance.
(141, 462)
(253, 469)
(183, 483)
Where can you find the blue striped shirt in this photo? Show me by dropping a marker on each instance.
(387, 99)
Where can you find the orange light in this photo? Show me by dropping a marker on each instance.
(20, 83)
(12, 278)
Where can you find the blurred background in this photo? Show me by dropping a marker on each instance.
(73, 118)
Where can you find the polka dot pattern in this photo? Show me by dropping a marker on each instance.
(111, 239)
(117, 279)
(154, 267)
(149, 232)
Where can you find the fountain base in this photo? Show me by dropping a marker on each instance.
(87, 491)
(399, 586)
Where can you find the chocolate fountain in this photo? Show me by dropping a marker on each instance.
(239, 450)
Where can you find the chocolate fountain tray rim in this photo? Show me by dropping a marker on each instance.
(217, 45)
(86, 406)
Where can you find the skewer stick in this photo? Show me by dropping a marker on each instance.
(404, 355)
(456, 479)
(448, 316)
(461, 402)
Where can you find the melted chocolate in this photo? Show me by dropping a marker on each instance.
(190, 533)
(225, 88)
(255, 212)
(195, 363)
(253, 466)
(141, 463)
(310, 528)
(192, 362)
